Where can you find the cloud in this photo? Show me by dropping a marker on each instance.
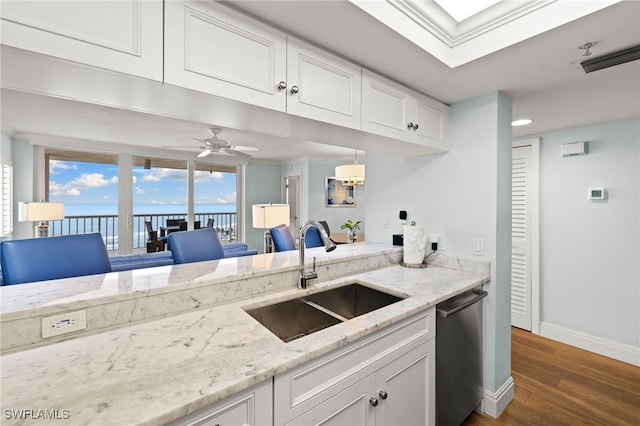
(229, 198)
(202, 176)
(156, 175)
(85, 181)
(55, 165)
(139, 191)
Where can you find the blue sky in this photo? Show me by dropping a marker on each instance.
(91, 183)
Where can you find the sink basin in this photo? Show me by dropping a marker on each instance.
(353, 300)
(302, 316)
(292, 319)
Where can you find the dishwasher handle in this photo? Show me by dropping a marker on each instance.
(480, 294)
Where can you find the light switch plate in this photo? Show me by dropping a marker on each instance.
(68, 322)
(478, 247)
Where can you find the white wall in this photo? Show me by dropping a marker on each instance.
(463, 194)
(262, 186)
(590, 251)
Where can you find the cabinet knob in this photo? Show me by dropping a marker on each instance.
(282, 85)
(415, 126)
(295, 89)
(374, 401)
(383, 394)
(410, 126)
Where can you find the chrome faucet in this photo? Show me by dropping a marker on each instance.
(328, 246)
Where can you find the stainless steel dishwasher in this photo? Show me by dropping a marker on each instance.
(459, 386)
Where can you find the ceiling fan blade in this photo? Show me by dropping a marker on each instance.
(243, 148)
(204, 153)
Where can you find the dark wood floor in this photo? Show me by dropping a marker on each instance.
(557, 384)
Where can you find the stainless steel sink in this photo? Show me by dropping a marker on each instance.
(353, 300)
(302, 316)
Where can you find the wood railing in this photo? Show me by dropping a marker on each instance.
(107, 225)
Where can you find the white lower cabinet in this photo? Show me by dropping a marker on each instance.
(387, 378)
(400, 393)
(252, 407)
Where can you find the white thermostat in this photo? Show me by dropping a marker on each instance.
(597, 194)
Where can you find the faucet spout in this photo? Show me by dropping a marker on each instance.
(306, 276)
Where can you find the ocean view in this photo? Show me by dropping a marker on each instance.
(84, 218)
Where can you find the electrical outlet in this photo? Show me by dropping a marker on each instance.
(64, 323)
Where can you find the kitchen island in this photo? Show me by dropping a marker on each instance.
(159, 369)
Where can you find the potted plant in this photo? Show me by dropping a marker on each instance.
(352, 230)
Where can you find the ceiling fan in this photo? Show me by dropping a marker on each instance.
(213, 145)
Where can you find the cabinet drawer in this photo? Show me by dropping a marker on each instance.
(308, 385)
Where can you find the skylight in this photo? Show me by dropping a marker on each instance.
(463, 9)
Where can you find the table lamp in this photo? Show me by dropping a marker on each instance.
(40, 212)
(266, 216)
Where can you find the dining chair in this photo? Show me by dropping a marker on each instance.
(195, 246)
(174, 222)
(154, 242)
(210, 222)
(282, 238)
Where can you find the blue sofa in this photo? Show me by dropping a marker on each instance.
(127, 262)
(38, 259)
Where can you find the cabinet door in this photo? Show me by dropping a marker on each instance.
(432, 119)
(322, 86)
(124, 36)
(405, 389)
(386, 107)
(253, 407)
(349, 407)
(213, 49)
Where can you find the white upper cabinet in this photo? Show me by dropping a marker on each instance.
(392, 110)
(213, 49)
(322, 86)
(123, 35)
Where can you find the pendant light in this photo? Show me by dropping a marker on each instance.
(351, 174)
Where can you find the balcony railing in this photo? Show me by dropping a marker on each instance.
(107, 225)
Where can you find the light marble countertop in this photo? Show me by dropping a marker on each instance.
(157, 371)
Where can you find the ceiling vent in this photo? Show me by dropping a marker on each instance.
(616, 58)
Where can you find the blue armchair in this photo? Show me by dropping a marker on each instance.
(40, 259)
(282, 239)
(195, 246)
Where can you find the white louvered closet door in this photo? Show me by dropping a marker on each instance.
(521, 238)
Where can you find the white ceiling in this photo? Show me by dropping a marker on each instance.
(541, 73)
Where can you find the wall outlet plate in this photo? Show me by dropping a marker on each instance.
(56, 325)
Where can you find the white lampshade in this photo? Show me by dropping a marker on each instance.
(41, 211)
(267, 216)
(353, 174)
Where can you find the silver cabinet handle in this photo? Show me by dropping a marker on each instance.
(374, 401)
(410, 126)
(383, 394)
(415, 126)
(282, 85)
(295, 89)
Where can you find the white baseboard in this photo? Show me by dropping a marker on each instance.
(494, 403)
(608, 348)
